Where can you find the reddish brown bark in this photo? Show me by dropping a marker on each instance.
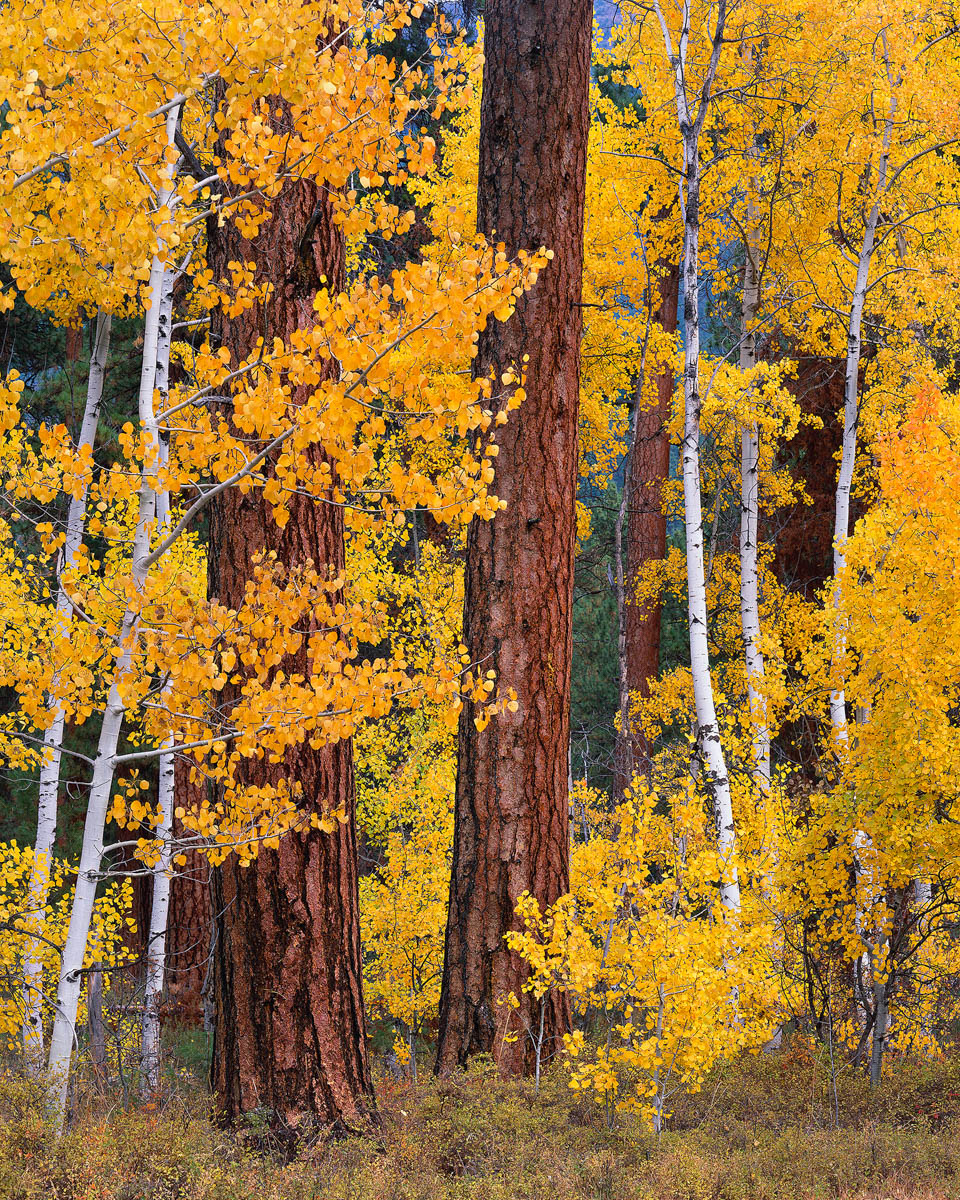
(74, 339)
(189, 927)
(804, 533)
(511, 815)
(647, 471)
(290, 1035)
(134, 936)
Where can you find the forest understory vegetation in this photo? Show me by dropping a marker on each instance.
(773, 1126)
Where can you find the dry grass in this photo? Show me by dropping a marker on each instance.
(766, 1128)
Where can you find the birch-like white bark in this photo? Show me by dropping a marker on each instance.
(88, 873)
(32, 1028)
(711, 749)
(749, 517)
(841, 531)
(626, 766)
(841, 527)
(749, 533)
(851, 412)
(880, 1027)
(848, 459)
(157, 937)
(161, 874)
(923, 898)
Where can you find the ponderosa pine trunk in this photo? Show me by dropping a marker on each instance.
(189, 941)
(189, 930)
(648, 470)
(290, 1035)
(511, 813)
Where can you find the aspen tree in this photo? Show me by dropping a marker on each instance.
(49, 784)
(851, 390)
(625, 758)
(750, 482)
(63, 1036)
(156, 956)
(692, 99)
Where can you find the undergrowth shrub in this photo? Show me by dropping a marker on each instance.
(760, 1129)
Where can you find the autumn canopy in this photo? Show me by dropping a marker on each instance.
(478, 546)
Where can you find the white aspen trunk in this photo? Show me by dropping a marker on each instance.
(923, 898)
(711, 749)
(749, 542)
(851, 412)
(659, 1084)
(161, 875)
(848, 458)
(880, 1027)
(71, 971)
(63, 1038)
(32, 1028)
(625, 766)
(750, 606)
(749, 518)
(157, 937)
(861, 843)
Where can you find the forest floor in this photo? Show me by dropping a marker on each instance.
(770, 1127)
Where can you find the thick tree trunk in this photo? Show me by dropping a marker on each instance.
(190, 926)
(648, 470)
(511, 826)
(290, 1033)
(803, 537)
(73, 340)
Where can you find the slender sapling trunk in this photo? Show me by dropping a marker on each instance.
(160, 904)
(53, 735)
(711, 749)
(63, 1038)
